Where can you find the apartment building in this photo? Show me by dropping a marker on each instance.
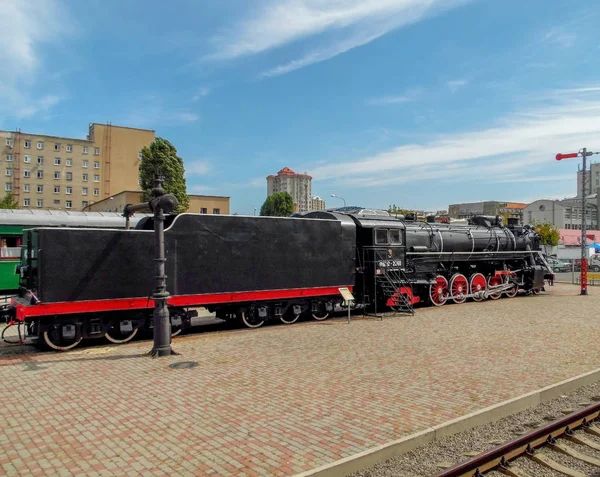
(51, 172)
(317, 203)
(299, 186)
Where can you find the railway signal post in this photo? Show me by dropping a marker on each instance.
(160, 204)
(584, 153)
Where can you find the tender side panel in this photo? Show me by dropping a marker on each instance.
(77, 265)
(212, 254)
(205, 255)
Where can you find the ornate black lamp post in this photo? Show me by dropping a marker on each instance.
(160, 204)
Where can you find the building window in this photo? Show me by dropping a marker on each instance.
(57, 147)
(216, 211)
(56, 201)
(96, 178)
(27, 144)
(40, 145)
(57, 161)
(96, 164)
(57, 189)
(40, 188)
(26, 202)
(39, 202)
(26, 188)
(84, 177)
(84, 164)
(140, 155)
(40, 174)
(40, 159)
(96, 151)
(9, 142)
(203, 210)
(56, 175)
(8, 187)
(68, 204)
(84, 203)
(8, 172)
(69, 162)
(9, 157)
(69, 176)
(96, 192)
(69, 148)
(27, 159)
(69, 190)
(84, 191)
(26, 173)
(85, 150)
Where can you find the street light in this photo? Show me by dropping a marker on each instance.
(584, 153)
(338, 197)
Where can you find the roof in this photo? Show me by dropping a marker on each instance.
(286, 171)
(62, 217)
(572, 237)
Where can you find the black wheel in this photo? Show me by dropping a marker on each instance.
(251, 319)
(121, 331)
(55, 340)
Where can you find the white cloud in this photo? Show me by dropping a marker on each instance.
(408, 96)
(351, 22)
(520, 143)
(25, 28)
(197, 168)
(559, 36)
(455, 85)
(200, 189)
(149, 111)
(203, 91)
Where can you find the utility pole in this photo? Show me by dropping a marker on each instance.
(159, 204)
(584, 252)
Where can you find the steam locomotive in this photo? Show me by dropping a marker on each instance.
(79, 283)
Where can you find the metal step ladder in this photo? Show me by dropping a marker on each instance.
(395, 285)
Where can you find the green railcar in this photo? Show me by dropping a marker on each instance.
(14, 221)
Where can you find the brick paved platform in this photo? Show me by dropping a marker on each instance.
(284, 399)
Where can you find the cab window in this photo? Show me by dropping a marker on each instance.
(394, 237)
(381, 236)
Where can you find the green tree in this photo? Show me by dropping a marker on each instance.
(549, 235)
(278, 204)
(8, 202)
(161, 158)
(394, 209)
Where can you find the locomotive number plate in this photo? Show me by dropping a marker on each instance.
(390, 263)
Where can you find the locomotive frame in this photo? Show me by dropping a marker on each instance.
(239, 268)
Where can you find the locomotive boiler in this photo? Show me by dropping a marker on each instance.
(80, 283)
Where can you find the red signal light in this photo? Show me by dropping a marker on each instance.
(566, 156)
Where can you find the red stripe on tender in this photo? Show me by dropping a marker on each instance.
(91, 306)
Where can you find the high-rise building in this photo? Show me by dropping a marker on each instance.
(50, 172)
(317, 203)
(592, 179)
(299, 186)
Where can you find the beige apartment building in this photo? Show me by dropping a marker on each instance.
(50, 172)
(299, 186)
(199, 204)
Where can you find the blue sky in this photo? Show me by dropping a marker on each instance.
(421, 103)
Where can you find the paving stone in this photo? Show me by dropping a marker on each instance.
(284, 399)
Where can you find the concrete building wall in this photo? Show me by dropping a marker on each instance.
(120, 155)
(51, 172)
(563, 214)
(592, 179)
(199, 204)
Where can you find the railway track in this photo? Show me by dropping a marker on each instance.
(557, 435)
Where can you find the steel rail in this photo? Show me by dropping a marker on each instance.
(512, 449)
